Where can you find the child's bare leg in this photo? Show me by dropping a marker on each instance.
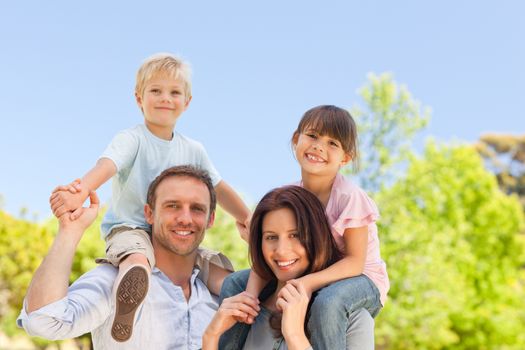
(216, 277)
(254, 287)
(255, 284)
(133, 259)
(131, 287)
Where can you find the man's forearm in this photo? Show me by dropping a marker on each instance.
(51, 279)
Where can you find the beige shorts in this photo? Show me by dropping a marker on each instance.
(205, 257)
(123, 241)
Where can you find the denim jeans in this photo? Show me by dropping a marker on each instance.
(330, 312)
(333, 323)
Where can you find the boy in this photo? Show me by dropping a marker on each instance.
(136, 156)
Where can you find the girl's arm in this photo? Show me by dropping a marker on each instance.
(63, 201)
(356, 245)
(234, 205)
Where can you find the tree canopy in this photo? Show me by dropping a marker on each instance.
(505, 157)
(454, 256)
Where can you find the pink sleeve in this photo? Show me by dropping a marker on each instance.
(359, 210)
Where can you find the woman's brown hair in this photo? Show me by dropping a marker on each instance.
(312, 227)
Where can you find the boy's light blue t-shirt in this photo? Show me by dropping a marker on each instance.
(140, 157)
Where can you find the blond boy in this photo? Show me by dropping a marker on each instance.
(133, 159)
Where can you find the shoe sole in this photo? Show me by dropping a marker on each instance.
(131, 291)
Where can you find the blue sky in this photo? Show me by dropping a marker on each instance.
(68, 69)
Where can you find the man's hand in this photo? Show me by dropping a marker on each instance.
(68, 198)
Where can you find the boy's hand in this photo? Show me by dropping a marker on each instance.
(68, 198)
(243, 231)
(85, 217)
(244, 228)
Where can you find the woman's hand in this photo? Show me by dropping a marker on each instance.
(238, 308)
(293, 300)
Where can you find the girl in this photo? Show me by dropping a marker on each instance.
(325, 141)
(290, 237)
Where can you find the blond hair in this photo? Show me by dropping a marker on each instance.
(164, 63)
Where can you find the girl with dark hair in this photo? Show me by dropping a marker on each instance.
(324, 142)
(289, 238)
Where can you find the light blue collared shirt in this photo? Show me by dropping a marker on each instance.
(166, 320)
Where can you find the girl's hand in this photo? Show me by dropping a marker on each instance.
(305, 282)
(293, 301)
(235, 309)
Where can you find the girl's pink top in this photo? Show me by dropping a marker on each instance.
(348, 207)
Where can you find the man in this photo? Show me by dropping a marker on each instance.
(180, 207)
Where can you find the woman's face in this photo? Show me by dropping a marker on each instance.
(281, 247)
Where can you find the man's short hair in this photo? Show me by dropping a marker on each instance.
(182, 171)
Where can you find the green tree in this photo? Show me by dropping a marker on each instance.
(504, 155)
(224, 237)
(387, 124)
(23, 245)
(450, 240)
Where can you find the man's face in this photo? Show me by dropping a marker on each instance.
(181, 215)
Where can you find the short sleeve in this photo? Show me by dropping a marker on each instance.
(358, 210)
(122, 150)
(206, 164)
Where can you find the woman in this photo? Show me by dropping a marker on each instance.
(290, 237)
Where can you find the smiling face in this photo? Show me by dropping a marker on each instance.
(163, 100)
(180, 216)
(282, 250)
(319, 154)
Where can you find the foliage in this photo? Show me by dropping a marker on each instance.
(386, 126)
(450, 239)
(224, 237)
(23, 245)
(505, 157)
